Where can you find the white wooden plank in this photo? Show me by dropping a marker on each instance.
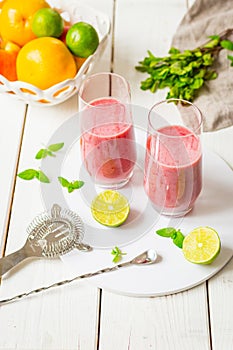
(65, 318)
(221, 308)
(179, 321)
(141, 26)
(221, 286)
(11, 118)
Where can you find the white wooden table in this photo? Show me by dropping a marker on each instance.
(80, 316)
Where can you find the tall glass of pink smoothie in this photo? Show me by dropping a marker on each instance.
(173, 162)
(107, 135)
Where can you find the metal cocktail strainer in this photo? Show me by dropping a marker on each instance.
(49, 235)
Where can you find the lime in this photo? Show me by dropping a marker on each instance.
(47, 22)
(110, 208)
(82, 39)
(202, 245)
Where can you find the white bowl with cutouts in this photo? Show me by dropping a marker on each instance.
(60, 92)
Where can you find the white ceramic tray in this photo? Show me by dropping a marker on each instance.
(172, 273)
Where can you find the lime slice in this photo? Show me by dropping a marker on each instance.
(110, 208)
(202, 245)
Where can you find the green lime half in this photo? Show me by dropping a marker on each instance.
(110, 208)
(202, 245)
(82, 39)
(47, 22)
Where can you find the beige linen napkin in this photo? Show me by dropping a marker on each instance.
(205, 18)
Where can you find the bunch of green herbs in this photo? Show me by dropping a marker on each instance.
(184, 73)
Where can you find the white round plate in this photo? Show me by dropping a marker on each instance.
(171, 273)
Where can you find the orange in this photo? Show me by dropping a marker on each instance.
(79, 61)
(44, 62)
(1, 3)
(15, 20)
(8, 64)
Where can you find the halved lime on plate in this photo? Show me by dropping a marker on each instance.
(110, 208)
(202, 245)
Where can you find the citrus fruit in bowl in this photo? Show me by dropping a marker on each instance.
(44, 62)
(47, 22)
(82, 39)
(47, 71)
(16, 17)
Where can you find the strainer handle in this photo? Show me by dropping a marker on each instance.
(11, 260)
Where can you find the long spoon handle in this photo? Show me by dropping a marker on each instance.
(61, 283)
(11, 260)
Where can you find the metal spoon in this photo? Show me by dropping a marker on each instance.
(146, 258)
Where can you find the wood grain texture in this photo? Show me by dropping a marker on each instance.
(12, 120)
(220, 287)
(174, 322)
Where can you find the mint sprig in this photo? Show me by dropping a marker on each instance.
(184, 72)
(170, 232)
(71, 186)
(117, 253)
(30, 174)
(49, 151)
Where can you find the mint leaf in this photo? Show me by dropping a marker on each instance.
(166, 232)
(77, 184)
(42, 177)
(55, 147)
(231, 59)
(170, 232)
(63, 181)
(71, 186)
(227, 44)
(173, 50)
(117, 254)
(42, 153)
(178, 238)
(28, 174)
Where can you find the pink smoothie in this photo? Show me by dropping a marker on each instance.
(108, 150)
(173, 169)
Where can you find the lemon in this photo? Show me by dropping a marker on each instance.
(82, 39)
(110, 208)
(201, 245)
(47, 22)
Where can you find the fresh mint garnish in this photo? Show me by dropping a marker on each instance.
(71, 186)
(49, 151)
(166, 232)
(117, 253)
(31, 174)
(177, 238)
(170, 232)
